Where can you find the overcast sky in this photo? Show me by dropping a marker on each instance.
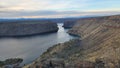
(57, 8)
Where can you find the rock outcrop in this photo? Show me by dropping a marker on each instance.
(26, 28)
(98, 46)
(69, 24)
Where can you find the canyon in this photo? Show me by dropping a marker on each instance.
(97, 47)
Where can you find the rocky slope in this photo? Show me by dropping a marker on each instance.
(98, 47)
(102, 35)
(26, 28)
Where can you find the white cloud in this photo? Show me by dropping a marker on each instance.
(51, 14)
(42, 4)
(54, 8)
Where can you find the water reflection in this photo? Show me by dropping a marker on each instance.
(31, 47)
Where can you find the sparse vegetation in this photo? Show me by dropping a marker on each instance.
(11, 61)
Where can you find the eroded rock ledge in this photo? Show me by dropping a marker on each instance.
(88, 26)
(26, 28)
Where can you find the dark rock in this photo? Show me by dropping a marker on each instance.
(85, 64)
(69, 24)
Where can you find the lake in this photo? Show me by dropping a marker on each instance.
(30, 48)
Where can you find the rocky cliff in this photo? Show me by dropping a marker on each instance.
(69, 24)
(102, 35)
(26, 28)
(98, 46)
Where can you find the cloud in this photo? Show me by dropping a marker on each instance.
(51, 14)
(1, 7)
(43, 4)
(59, 5)
(57, 8)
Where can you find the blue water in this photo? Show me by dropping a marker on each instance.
(30, 48)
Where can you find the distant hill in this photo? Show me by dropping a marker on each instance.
(57, 20)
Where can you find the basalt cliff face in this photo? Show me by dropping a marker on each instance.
(98, 46)
(69, 24)
(26, 28)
